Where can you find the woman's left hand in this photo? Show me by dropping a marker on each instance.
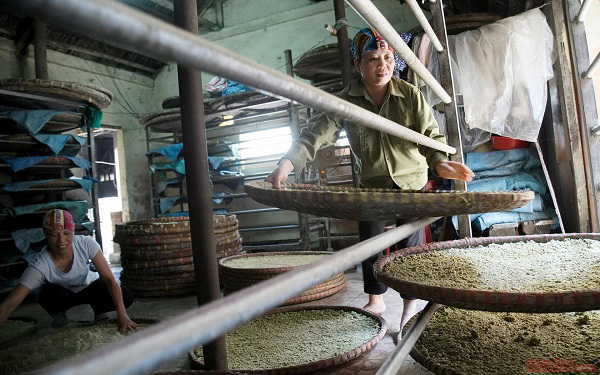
(125, 324)
(454, 170)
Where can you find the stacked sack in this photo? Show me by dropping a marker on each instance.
(156, 254)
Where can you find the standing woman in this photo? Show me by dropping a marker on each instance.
(382, 160)
(62, 270)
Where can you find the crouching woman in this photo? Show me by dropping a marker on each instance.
(62, 271)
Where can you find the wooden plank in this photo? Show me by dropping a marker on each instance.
(578, 204)
(450, 110)
(588, 107)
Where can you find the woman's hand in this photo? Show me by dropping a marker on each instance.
(125, 324)
(280, 174)
(454, 170)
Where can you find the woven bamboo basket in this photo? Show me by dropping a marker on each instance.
(152, 272)
(152, 240)
(57, 160)
(154, 282)
(180, 246)
(97, 96)
(488, 300)
(381, 204)
(137, 265)
(317, 365)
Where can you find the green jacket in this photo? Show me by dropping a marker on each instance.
(381, 159)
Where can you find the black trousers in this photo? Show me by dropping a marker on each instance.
(56, 299)
(368, 229)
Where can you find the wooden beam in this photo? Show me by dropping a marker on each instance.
(450, 110)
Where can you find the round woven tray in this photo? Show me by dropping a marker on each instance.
(317, 292)
(317, 365)
(576, 300)
(227, 237)
(152, 240)
(381, 204)
(57, 160)
(98, 96)
(26, 143)
(135, 288)
(448, 369)
(315, 296)
(321, 64)
(264, 271)
(136, 264)
(173, 270)
(159, 278)
(233, 284)
(158, 282)
(155, 255)
(158, 248)
(245, 281)
(235, 250)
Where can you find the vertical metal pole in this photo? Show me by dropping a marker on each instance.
(153, 192)
(345, 63)
(198, 180)
(94, 190)
(40, 48)
(451, 111)
(304, 226)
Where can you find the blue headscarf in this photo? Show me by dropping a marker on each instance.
(368, 39)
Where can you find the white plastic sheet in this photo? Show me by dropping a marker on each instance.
(502, 72)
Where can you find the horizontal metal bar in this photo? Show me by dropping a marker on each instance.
(392, 365)
(145, 350)
(120, 25)
(276, 227)
(418, 12)
(373, 17)
(255, 211)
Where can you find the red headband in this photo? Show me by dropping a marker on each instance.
(58, 219)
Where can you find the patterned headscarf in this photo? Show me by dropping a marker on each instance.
(368, 39)
(58, 219)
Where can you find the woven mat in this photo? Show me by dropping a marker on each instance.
(136, 264)
(315, 296)
(381, 204)
(487, 300)
(98, 96)
(317, 365)
(159, 271)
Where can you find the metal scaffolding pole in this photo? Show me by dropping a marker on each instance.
(145, 350)
(585, 7)
(120, 25)
(198, 181)
(373, 17)
(418, 12)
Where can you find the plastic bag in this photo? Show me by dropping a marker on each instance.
(503, 68)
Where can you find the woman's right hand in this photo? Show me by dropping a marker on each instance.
(280, 174)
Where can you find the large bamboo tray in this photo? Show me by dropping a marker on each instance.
(97, 96)
(488, 300)
(235, 279)
(313, 367)
(544, 346)
(381, 204)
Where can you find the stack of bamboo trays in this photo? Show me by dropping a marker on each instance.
(156, 254)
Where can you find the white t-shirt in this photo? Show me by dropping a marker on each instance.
(43, 270)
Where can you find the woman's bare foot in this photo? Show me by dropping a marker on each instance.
(376, 304)
(409, 310)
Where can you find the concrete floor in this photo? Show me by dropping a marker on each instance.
(163, 308)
